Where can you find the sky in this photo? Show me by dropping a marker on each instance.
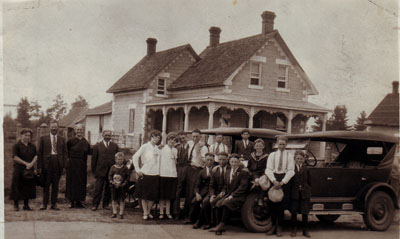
(348, 48)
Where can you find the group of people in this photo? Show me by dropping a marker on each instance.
(213, 181)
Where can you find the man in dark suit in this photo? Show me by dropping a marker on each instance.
(181, 169)
(52, 158)
(244, 147)
(202, 197)
(103, 157)
(217, 183)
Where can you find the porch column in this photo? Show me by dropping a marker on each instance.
(324, 119)
(211, 109)
(289, 124)
(164, 124)
(251, 116)
(186, 124)
(323, 144)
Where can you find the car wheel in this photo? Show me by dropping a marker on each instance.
(379, 211)
(327, 218)
(254, 217)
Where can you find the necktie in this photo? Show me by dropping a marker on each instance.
(54, 144)
(245, 144)
(191, 153)
(280, 161)
(217, 149)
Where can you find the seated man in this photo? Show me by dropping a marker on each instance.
(202, 195)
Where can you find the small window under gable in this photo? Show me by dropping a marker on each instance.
(161, 86)
(283, 76)
(255, 73)
(131, 120)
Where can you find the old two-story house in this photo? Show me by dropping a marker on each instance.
(253, 82)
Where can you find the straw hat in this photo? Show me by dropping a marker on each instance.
(275, 195)
(264, 182)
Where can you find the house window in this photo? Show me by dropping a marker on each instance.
(161, 83)
(101, 123)
(283, 76)
(255, 73)
(131, 120)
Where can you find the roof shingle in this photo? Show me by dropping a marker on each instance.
(105, 108)
(74, 116)
(143, 73)
(386, 112)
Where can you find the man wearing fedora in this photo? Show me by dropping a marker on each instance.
(280, 169)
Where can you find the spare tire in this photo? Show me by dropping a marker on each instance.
(254, 217)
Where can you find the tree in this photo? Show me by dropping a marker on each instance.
(338, 120)
(23, 116)
(317, 125)
(58, 109)
(34, 110)
(360, 122)
(80, 101)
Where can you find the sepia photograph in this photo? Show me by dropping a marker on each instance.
(200, 119)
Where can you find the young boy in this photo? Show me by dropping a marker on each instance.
(118, 177)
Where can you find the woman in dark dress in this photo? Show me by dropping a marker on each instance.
(78, 150)
(24, 156)
(257, 165)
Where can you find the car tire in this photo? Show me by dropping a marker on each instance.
(379, 211)
(254, 217)
(327, 218)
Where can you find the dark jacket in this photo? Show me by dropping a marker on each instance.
(217, 180)
(240, 149)
(44, 152)
(183, 155)
(301, 184)
(203, 182)
(103, 158)
(237, 188)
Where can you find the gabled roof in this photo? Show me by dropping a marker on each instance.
(103, 109)
(219, 62)
(143, 73)
(386, 112)
(74, 116)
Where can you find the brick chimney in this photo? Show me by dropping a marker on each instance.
(151, 46)
(267, 21)
(395, 85)
(214, 36)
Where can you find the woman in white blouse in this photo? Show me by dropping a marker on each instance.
(147, 188)
(168, 175)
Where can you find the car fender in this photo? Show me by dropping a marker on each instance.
(367, 191)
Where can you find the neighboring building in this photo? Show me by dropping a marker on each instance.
(98, 119)
(385, 117)
(253, 82)
(75, 116)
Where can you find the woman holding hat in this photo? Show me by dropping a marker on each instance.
(234, 191)
(257, 164)
(23, 186)
(280, 169)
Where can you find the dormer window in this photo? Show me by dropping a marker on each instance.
(255, 74)
(161, 86)
(283, 76)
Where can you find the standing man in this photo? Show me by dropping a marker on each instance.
(280, 169)
(102, 159)
(196, 160)
(52, 158)
(244, 147)
(181, 168)
(218, 147)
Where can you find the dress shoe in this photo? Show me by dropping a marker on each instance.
(27, 208)
(145, 217)
(187, 222)
(306, 233)
(54, 207)
(150, 216)
(271, 231)
(72, 205)
(206, 227)
(212, 229)
(16, 208)
(79, 205)
(279, 231)
(43, 207)
(161, 216)
(169, 216)
(294, 232)
(94, 208)
(197, 225)
(106, 207)
(121, 216)
(114, 216)
(219, 229)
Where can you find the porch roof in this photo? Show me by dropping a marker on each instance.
(245, 101)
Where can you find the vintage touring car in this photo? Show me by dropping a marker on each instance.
(351, 173)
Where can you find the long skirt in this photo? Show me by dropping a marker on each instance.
(148, 187)
(76, 180)
(168, 188)
(21, 188)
